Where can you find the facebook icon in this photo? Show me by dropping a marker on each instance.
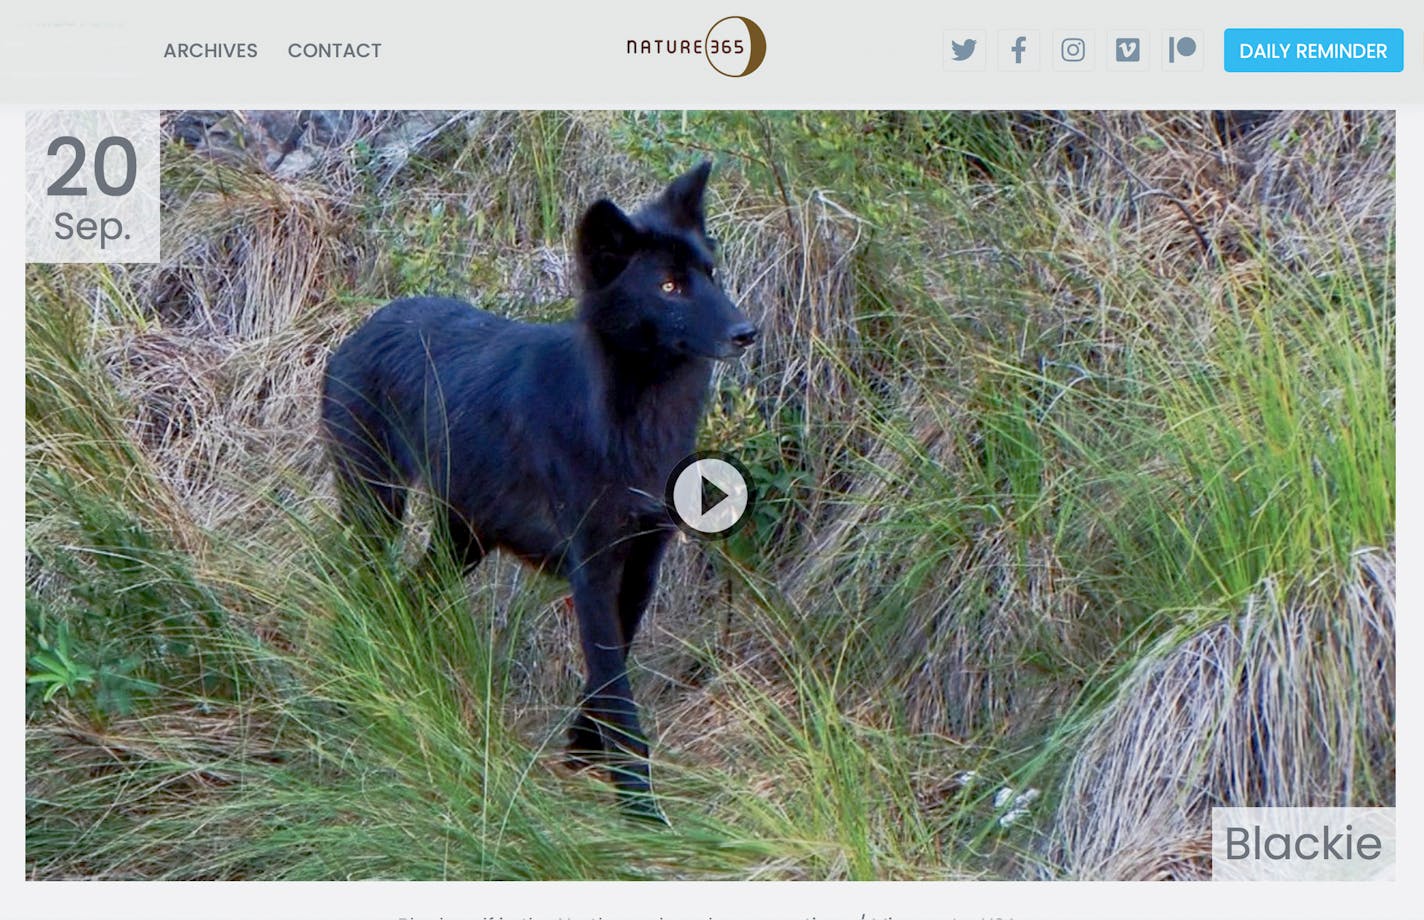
(1018, 49)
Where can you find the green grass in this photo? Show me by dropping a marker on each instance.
(1076, 444)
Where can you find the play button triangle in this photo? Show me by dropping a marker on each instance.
(712, 496)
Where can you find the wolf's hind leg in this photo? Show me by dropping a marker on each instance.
(371, 502)
(456, 545)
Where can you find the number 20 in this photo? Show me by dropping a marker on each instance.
(61, 185)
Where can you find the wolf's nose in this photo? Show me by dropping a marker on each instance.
(743, 334)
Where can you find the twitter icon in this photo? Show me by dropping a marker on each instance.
(962, 51)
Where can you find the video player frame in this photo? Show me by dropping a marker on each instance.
(1072, 438)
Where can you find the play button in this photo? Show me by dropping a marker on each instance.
(709, 494)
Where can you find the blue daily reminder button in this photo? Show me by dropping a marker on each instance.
(1314, 50)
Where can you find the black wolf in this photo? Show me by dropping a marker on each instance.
(551, 441)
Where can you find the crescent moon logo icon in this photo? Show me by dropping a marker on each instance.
(756, 46)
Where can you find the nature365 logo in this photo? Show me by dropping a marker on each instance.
(734, 46)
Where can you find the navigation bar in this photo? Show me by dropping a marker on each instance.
(646, 54)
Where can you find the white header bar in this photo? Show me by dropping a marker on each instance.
(653, 54)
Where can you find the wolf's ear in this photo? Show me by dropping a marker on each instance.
(682, 201)
(606, 241)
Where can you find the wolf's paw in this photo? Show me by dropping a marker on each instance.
(585, 748)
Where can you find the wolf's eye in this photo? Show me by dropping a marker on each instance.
(671, 287)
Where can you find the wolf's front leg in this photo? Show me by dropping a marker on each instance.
(640, 581)
(608, 713)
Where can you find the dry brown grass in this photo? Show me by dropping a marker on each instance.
(1289, 703)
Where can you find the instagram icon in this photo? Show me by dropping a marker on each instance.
(1072, 49)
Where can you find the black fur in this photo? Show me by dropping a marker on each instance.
(551, 441)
